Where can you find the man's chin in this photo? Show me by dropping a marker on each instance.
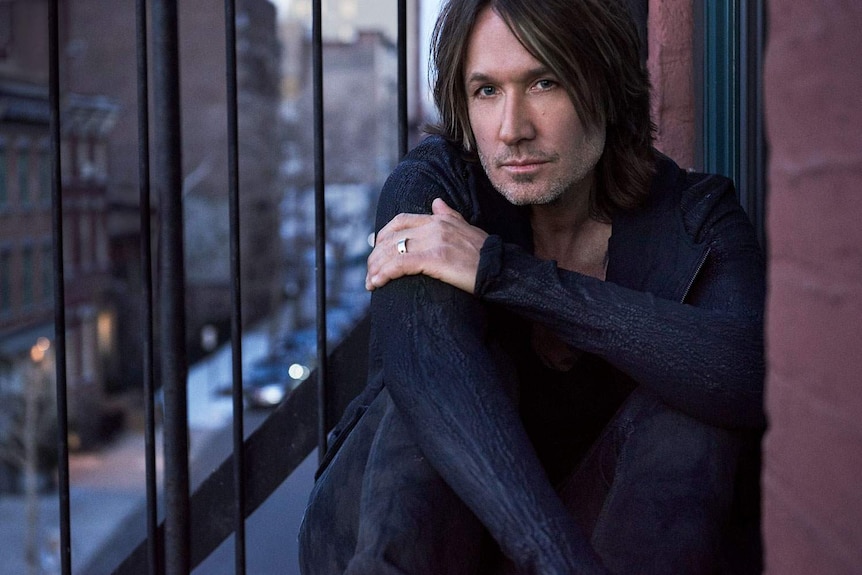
(528, 197)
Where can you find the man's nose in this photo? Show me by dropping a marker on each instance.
(516, 123)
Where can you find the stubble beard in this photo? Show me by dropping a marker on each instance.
(528, 189)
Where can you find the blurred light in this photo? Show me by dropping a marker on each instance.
(298, 371)
(43, 343)
(270, 394)
(105, 331)
(37, 354)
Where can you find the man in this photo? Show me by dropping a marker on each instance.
(566, 327)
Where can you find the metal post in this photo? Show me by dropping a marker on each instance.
(402, 79)
(174, 362)
(751, 139)
(59, 290)
(153, 567)
(319, 224)
(236, 285)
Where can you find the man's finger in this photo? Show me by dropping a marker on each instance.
(403, 222)
(440, 208)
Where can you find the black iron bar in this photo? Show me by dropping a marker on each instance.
(172, 324)
(236, 285)
(402, 79)
(272, 457)
(59, 291)
(751, 176)
(319, 223)
(146, 284)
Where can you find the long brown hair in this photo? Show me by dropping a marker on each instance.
(592, 46)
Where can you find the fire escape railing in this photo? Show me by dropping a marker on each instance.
(59, 287)
(260, 463)
(147, 311)
(271, 453)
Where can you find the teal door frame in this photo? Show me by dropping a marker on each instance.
(728, 42)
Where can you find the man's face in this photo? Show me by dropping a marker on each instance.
(530, 140)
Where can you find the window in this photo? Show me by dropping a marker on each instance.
(88, 349)
(5, 281)
(45, 177)
(67, 158)
(70, 238)
(47, 265)
(100, 160)
(4, 182)
(85, 241)
(73, 351)
(83, 162)
(102, 256)
(24, 176)
(5, 29)
(27, 276)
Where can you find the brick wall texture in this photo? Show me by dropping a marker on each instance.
(813, 450)
(670, 65)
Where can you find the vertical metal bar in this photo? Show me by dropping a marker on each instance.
(174, 362)
(236, 285)
(319, 223)
(402, 79)
(59, 291)
(147, 285)
(758, 133)
(751, 169)
(743, 67)
(721, 88)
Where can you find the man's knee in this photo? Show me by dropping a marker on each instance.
(327, 537)
(410, 520)
(671, 492)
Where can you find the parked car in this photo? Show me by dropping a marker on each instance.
(268, 381)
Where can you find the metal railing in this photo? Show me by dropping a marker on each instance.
(59, 287)
(220, 506)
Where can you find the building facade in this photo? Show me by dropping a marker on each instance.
(26, 239)
(360, 141)
(102, 60)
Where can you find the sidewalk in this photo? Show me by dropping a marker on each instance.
(108, 486)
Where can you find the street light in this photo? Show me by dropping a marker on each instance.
(39, 349)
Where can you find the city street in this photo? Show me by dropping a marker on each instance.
(108, 490)
(270, 532)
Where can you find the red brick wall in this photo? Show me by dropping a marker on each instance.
(670, 66)
(813, 452)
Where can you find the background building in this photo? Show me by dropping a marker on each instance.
(102, 60)
(360, 146)
(101, 222)
(26, 245)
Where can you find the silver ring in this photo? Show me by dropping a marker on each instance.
(401, 246)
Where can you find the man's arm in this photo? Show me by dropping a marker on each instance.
(452, 387)
(704, 358)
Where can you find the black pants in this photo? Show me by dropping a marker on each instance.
(651, 496)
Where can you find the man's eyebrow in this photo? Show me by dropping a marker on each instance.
(478, 77)
(481, 77)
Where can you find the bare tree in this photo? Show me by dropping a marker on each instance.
(28, 422)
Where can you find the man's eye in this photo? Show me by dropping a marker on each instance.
(485, 91)
(545, 84)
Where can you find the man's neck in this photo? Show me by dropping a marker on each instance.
(565, 231)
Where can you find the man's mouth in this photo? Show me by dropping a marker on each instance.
(522, 166)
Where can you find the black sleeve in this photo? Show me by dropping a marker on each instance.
(451, 385)
(703, 358)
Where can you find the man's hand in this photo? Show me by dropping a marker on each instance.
(441, 245)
